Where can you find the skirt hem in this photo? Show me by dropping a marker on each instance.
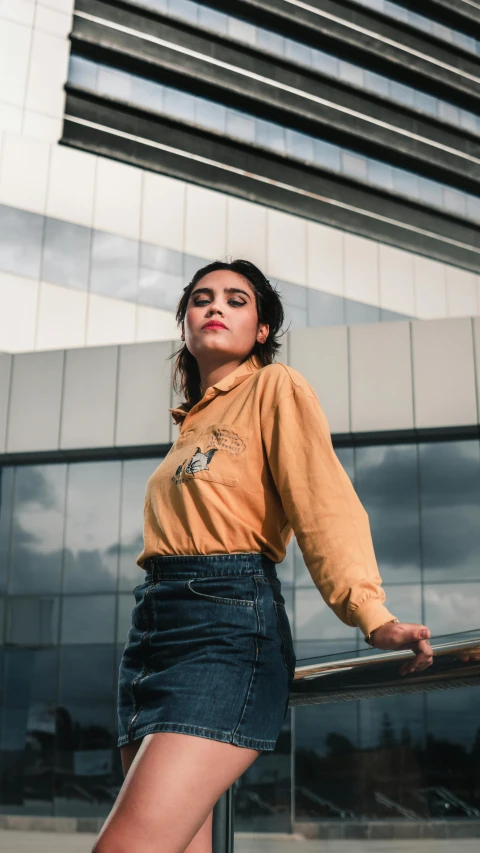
(199, 731)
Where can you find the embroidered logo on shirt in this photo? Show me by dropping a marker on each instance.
(222, 439)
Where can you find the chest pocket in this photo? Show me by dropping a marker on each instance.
(220, 455)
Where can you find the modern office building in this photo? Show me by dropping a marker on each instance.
(335, 144)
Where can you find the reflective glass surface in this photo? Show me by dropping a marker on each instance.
(283, 141)
(319, 60)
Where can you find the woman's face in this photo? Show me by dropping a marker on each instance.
(221, 320)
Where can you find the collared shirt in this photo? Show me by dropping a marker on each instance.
(253, 463)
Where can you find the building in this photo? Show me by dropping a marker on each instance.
(335, 144)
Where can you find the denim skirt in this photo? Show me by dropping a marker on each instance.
(209, 651)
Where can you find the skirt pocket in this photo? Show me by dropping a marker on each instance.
(236, 591)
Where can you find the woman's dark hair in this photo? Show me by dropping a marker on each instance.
(186, 375)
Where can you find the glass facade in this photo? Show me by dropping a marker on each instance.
(69, 536)
(319, 60)
(246, 127)
(75, 256)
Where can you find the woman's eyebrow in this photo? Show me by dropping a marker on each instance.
(225, 290)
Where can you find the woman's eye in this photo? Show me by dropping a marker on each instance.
(236, 302)
(200, 302)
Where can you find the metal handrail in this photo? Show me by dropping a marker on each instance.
(456, 663)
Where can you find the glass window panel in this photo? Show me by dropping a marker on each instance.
(468, 121)
(241, 30)
(271, 42)
(354, 165)
(450, 509)
(85, 728)
(83, 72)
(314, 620)
(454, 201)
(126, 603)
(346, 457)
(147, 93)
(2, 622)
(66, 253)
(325, 309)
(191, 265)
(6, 503)
(386, 483)
(135, 475)
(300, 53)
(419, 22)
(210, 115)
(158, 258)
(32, 621)
(21, 235)
(360, 312)
(402, 94)
(425, 103)
(452, 717)
(380, 174)
(405, 182)
(300, 145)
(327, 155)
(37, 530)
(442, 32)
(451, 608)
(430, 192)
(88, 619)
(376, 83)
(270, 135)
(326, 761)
(240, 125)
(350, 73)
(184, 9)
(114, 265)
(114, 83)
(306, 650)
(159, 289)
(405, 601)
(208, 17)
(158, 5)
(447, 112)
(325, 63)
(92, 527)
(179, 104)
(263, 792)
(473, 207)
(396, 12)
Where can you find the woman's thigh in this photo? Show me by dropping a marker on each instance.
(171, 787)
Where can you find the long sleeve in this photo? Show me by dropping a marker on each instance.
(330, 524)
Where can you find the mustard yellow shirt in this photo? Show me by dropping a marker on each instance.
(253, 463)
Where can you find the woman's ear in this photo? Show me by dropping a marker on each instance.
(262, 333)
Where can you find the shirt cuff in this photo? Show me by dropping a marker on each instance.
(370, 614)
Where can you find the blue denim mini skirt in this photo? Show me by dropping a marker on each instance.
(209, 651)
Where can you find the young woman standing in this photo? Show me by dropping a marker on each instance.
(207, 668)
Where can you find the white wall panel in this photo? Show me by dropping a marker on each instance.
(163, 211)
(90, 385)
(361, 269)
(443, 371)
(11, 118)
(117, 198)
(35, 402)
(24, 172)
(18, 311)
(41, 126)
(20, 11)
(397, 287)
(109, 321)
(461, 292)
(144, 375)
(61, 5)
(430, 289)
(321, 355)
(286, 246)
(71, 185)
(14, 52)
(62, 316)
(47, 73)
(5, 369)
(380, 377)
(205, 223)
(247, 231)
(153, 324)
(52, 21)
(325, 258)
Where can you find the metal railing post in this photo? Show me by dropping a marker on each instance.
(223, 823)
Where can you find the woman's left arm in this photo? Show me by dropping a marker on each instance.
(331, 525)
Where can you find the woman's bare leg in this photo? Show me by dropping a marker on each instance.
(171, 788)
(202, 843)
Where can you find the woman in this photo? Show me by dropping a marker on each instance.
(206, 671)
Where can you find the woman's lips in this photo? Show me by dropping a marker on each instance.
(214, 326)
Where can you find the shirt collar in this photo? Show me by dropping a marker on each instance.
(234, 378)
